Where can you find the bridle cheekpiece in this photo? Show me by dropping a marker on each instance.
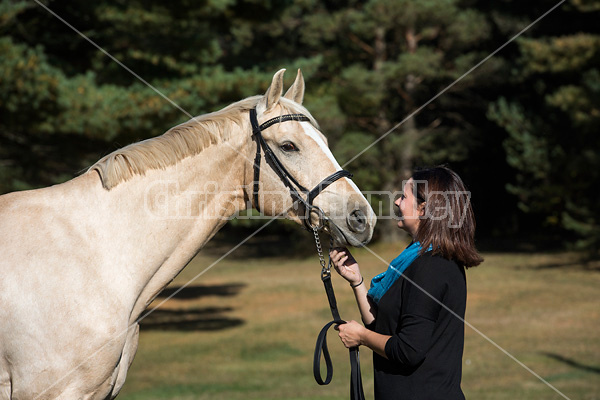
(288, 180)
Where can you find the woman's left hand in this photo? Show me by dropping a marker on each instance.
(345, 265)
(351, 333)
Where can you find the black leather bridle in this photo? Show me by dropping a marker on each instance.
(356, 389)
(288, 180)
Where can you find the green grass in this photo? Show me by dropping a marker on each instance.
(246, 328)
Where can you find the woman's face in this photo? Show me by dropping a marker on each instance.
(409, 211)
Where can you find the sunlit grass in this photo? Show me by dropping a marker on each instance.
(256, 340)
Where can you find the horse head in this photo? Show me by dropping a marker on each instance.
(297, 157)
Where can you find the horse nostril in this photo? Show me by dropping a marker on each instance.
(357, 221)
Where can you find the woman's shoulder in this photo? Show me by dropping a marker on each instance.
(432, 260)
(430, 265)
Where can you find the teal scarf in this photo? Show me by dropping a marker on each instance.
(382, 282)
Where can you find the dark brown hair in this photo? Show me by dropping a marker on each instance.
(448, 223)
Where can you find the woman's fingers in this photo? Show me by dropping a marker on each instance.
(350, 333)
(338, 257)
(335, 255)
(344, 263)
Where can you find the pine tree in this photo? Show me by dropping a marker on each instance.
(552, 124)
(384, 59)
(64, 103)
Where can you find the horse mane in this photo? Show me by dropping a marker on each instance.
(181, 141)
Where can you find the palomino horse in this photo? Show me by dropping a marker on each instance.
(82, 260)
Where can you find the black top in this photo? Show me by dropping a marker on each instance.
(426, 347)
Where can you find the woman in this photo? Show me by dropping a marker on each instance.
(413, 313)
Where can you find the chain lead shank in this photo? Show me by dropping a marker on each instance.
(325, 270)
(356, 389)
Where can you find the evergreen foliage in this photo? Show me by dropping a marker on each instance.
(521, 129)
(552, 117)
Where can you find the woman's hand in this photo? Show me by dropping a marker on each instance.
(348, 268)
(351, 333)
(354, 334)
(345, 265)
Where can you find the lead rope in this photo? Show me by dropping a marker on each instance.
(356, 388)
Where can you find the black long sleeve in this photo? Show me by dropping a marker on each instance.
(425, 349)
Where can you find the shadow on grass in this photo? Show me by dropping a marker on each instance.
(573, 363)
(278, 239)
(197, 291)
(201, 319)
(193, 318)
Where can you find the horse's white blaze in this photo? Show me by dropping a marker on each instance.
(314, 135)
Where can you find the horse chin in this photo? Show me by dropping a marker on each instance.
(341, 239)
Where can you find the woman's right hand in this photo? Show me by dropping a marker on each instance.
(345, 265)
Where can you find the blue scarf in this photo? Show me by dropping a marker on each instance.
(382, 282)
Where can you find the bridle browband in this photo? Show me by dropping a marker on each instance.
(288, 180)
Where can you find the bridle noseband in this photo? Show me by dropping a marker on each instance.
(288, 180)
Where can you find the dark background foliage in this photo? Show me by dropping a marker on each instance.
(521, 129)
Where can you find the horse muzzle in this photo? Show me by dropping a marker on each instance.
(353, 228)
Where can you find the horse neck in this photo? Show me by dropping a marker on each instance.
(160, 220)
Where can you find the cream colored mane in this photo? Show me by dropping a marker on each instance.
(181, 141)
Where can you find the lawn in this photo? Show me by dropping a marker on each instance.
(245, 329)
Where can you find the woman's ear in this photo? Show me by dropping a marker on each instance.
(421, 209)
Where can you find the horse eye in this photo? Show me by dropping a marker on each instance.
(289, 146)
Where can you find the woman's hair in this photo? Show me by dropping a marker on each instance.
(448, 223)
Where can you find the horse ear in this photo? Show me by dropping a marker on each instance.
(296, 91)
(274, 91)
